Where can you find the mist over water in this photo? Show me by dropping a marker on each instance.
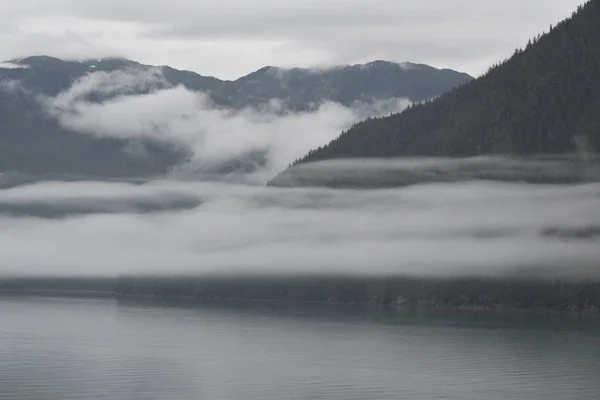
(465, 226)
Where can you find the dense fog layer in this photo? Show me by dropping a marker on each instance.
(464, 227)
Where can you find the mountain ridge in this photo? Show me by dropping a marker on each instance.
(39, 59)
(34, 142)
(301, 89)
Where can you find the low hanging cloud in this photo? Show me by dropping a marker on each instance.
(214, 135)
(10, 65)
(108, 85)
(583, 166)
(437, 229)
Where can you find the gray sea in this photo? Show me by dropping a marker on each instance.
(53, 348)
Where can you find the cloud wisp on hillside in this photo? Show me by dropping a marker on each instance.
(214, 135)
(583, 166)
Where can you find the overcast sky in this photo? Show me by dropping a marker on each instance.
(229, 38)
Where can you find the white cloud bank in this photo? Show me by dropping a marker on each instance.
(215, 135)
(479, 228)
(10, 65)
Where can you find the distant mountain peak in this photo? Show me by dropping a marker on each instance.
(112, 62)
(269, 69)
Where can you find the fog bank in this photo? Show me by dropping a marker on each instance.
(480, 228)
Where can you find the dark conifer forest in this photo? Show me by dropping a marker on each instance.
(544, 99)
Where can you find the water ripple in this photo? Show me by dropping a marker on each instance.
(64, 349)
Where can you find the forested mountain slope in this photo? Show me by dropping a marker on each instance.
(543, 99)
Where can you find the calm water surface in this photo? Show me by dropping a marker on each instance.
(100, 349)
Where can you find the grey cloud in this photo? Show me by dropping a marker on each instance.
(203, 13)
(442, 33)
(59, 199)
(466, 35)
(66, 44)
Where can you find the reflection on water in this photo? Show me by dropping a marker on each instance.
(100, 349)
